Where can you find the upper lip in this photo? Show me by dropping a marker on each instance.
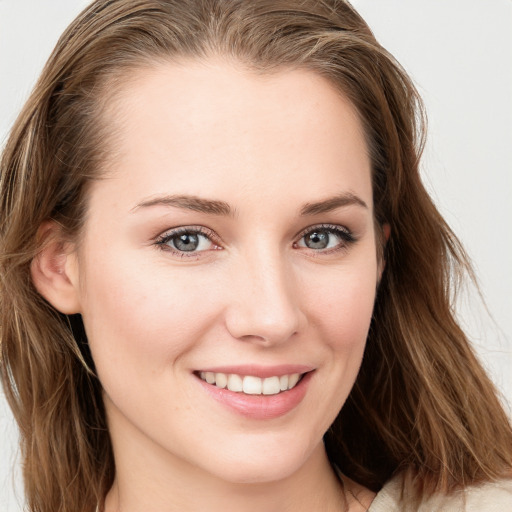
(258, 370)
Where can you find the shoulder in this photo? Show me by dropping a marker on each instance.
(489, 497)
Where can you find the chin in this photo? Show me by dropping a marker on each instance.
(250, 473)
(259, 466)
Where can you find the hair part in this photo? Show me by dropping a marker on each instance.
(421, 402)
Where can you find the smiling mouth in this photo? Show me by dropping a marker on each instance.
(251, 385)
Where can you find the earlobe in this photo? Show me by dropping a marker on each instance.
(54, 270)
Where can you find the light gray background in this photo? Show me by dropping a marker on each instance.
(459, 52)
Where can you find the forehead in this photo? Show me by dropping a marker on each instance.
(205, 123)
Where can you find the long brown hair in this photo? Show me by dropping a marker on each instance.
(421, 402)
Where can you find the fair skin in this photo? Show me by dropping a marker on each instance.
(267, 179)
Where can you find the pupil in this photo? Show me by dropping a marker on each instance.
(318, 240)
(187, 242)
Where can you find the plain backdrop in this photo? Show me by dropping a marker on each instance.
(459, 53)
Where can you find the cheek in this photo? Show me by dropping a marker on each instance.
(340, 312)
(140, 319)
(342, 307)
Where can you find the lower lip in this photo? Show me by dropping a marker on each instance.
(260, 407)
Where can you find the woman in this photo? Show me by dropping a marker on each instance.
(223, 283)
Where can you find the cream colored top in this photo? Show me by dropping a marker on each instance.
(489, 497)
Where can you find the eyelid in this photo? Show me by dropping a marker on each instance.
(346, 234)
(162, 239)
(188, 229)
(327, 227)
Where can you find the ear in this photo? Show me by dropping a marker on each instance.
(54, 270)
(386, 232)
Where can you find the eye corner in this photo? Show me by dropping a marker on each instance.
(343, 234)
(201, 240)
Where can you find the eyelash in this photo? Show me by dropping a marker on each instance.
(346, 237)
(163, 240)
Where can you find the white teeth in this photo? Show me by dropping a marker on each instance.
(251, 385)
(271, 386)
(235, 383)
(293, 379)
(221, 380)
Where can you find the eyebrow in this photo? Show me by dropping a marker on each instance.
(197, 204)
(332, 203)
(214, 207)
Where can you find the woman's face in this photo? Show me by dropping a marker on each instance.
(231, 244)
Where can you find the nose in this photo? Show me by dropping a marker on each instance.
(264, 306)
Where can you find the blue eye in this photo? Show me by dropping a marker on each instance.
(321, 238)
(186, 241)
